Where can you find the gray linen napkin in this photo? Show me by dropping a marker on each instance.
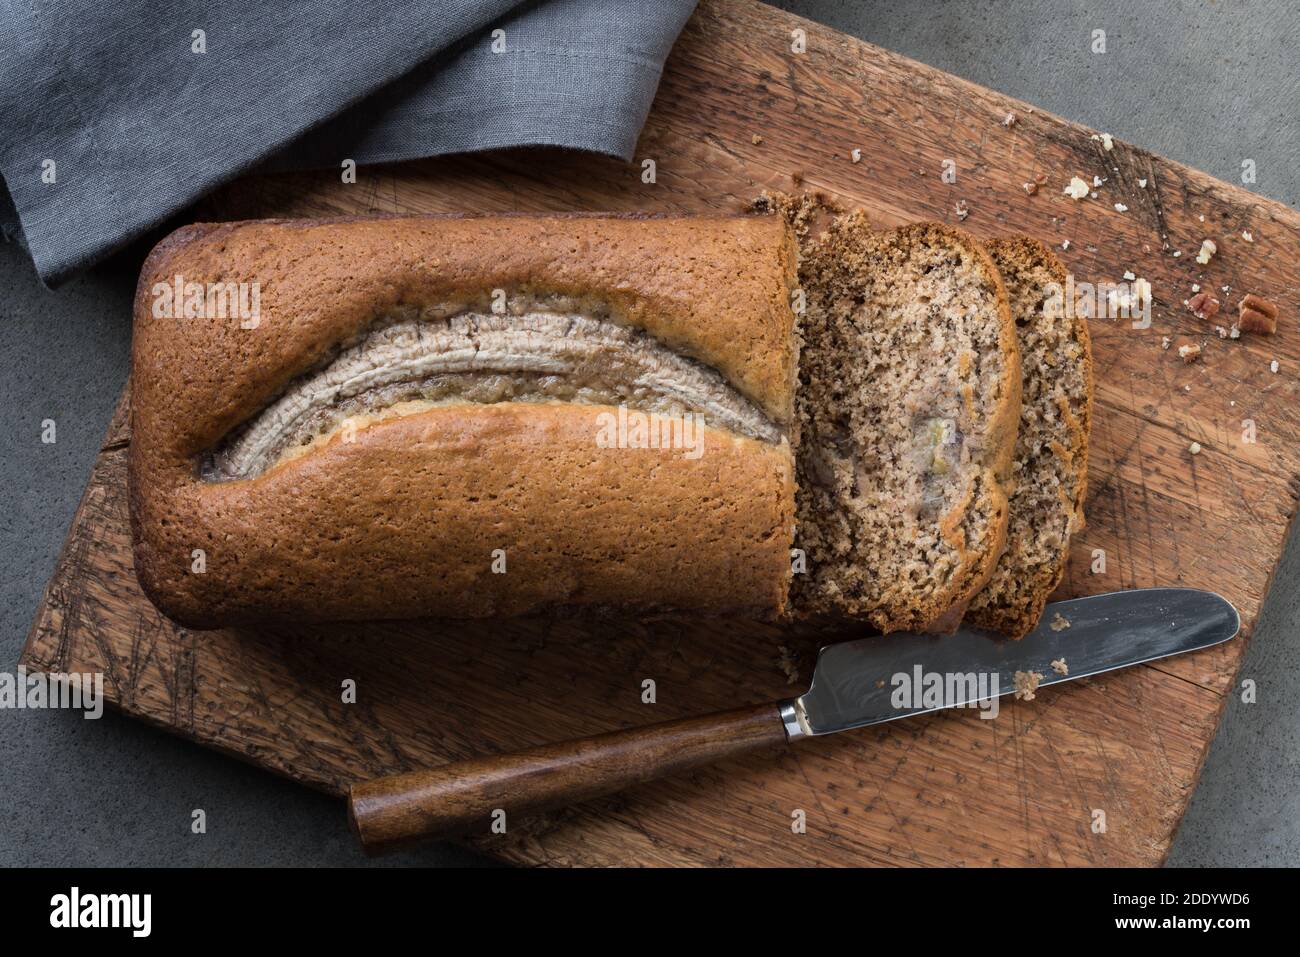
(114, 116)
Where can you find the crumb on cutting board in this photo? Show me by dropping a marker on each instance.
(1060, 667)
(1059, 623)
(788, 665)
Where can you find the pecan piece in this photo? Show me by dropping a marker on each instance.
(1203, 305)
(1257, 315)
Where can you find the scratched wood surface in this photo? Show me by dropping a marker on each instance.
(739, 112)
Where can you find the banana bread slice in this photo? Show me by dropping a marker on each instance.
(907, 406)
(1051, 461)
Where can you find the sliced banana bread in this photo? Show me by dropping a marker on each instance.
(907, 406)
(1051, 460)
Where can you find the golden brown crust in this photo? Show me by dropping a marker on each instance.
(1022, 583)
(385, 526)
(404, 522)
(715, 289)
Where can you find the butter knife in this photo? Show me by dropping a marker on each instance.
(855, 684)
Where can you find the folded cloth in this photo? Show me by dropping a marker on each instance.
(115, 116)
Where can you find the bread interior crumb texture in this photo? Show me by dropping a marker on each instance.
(908, 392)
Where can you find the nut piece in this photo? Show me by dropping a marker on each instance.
(1203, 305)
(1208, 249)
(1189, 353)
(1257, 315)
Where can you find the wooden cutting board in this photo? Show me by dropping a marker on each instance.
(738, 112)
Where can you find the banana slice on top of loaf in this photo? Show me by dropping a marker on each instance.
(1051, 460)
(908, 403)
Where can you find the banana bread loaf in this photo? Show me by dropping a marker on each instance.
(491, 416)
(412, 423)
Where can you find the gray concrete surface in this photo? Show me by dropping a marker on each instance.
(1207, 83)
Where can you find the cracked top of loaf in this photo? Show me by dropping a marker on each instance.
(703, 287)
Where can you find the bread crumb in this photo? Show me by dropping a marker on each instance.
(1077, 189)
(807, 213)
(1066, 244)
(1189, 353)
(1194, 448)
(1060, 667)
(1164, 342)
(1142, 184)
(1273, 366)
(1059, 623)
(1223, 333)
(1121, 208)
(1128, 274)
(856, 155)
(1107, 142)
(756, 139)
(1026, 683)
(962, 209)
(1097, 181)
(1208, 249)
(1009, 120)
(1247, 235)
(787, 664)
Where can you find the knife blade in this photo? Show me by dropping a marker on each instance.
(855, 683)
(858, 683)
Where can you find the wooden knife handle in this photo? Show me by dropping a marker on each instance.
(393, 812)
